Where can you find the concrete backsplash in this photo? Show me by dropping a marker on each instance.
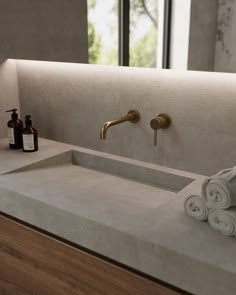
(9, 97)
(70, 103)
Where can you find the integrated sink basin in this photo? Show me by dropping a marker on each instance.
(128, 169)
(87, 185)
(132, 170)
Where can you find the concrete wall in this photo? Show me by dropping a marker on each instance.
(212, 42)
(225, 55)
(202, 35)
(53, 30)
(193, 34)
(9, 97)
(70, 103)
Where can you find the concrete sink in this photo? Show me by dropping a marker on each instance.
(93, 182)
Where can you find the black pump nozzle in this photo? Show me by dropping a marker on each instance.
(28, 121)
(14, 114)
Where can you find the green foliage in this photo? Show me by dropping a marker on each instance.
(143, 53)
(94, 41)
(92, 4)
(108, 57)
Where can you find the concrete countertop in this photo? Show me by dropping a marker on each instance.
(148, 230)
(14, 159)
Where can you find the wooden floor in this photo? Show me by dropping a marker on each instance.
(32, 263)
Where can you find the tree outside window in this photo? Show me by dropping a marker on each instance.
(103, 32)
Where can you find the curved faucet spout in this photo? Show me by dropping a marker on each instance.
(132, 116)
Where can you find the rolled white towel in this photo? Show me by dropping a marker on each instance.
(195, 207)
(219, 191)
(223, 221)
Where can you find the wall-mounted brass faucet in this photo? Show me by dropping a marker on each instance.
(133, 116)
(162, 121)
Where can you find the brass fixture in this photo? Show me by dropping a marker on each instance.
(133, 116)
(162, 121)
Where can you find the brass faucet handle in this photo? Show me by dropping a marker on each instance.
(162, 121)
(155, 137)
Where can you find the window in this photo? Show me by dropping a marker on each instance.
(103, 32)
(125, 32)
(143, 33)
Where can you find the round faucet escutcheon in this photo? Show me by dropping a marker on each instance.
(135, 116)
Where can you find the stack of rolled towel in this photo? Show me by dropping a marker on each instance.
(217, 202)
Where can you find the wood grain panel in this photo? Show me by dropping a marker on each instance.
(35, 264)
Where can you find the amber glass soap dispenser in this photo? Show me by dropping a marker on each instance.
(30, 136)
(15, 128)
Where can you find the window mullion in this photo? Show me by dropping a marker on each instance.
(124, 35)
(167, 35)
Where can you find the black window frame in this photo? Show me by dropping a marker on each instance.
(124, 33)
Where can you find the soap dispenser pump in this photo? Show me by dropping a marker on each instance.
(30, 136)
(15, 128)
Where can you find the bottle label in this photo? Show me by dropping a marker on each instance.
(28, 142)
(11, 135)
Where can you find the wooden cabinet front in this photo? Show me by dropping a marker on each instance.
(32, 263)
